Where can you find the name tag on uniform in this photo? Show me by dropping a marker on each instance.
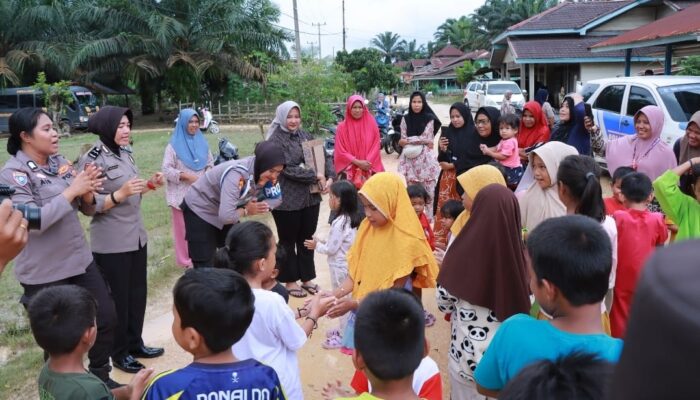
(113, 167)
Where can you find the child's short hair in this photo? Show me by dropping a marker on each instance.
(510, 120)
(575, 254)
(217, 303)
(348, 201)
(59, 317)
(417, 191)
(620, 173)
(451, 209)
(636, 187)
(390, 333)
(577, 375)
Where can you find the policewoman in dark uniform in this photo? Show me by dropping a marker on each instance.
(117, 234)
(57, 253)
(226, 193)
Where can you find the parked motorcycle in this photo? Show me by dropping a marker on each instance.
(208, 123)
(386, 131)
(227, 151)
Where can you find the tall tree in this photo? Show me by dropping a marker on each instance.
(410, 50)
(458, 32)
(388, 44)
(495, 16)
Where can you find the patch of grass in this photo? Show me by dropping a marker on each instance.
(22, 358)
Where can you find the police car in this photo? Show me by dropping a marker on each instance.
(614, 102)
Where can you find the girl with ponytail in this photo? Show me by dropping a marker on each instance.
(581, 193)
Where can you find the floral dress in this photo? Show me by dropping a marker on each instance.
(423, 169)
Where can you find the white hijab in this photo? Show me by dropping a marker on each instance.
(280, 120)
(538, 204)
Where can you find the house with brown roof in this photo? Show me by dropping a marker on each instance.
(553, 48)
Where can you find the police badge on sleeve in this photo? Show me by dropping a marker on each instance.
(20, 178)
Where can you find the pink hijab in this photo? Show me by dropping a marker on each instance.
(651, 156)
(357, 139)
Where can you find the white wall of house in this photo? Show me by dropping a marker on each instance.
(590, 71)
(632, 19)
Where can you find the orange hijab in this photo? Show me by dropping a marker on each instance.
(382, 255)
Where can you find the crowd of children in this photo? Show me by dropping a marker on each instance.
(535, 235)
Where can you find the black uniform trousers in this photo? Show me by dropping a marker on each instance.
(94, 282)
(293, 227)
(126, 275)
(203, 238)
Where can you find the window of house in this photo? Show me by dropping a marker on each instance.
(610, 98)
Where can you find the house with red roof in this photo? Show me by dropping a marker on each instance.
(553, 48)
(440, 68)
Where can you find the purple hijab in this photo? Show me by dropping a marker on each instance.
(651, 156)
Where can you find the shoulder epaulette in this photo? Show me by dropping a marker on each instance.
(94, 152)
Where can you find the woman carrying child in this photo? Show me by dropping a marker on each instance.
(343, 202)
(417, 162)
(390, 249)
(459, 150)
(273, 336)
(506, 152)
(497, 287)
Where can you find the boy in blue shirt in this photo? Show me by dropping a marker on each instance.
(571, 258)
(213, 308)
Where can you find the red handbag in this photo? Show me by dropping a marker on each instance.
(358, 176)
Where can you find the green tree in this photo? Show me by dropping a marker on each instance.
(388, 44)
(410, 50)
(691, 66)
(458, 32)
(495, 16)
(56, 95)
(367, 69)
(465, 72)
(312, 85)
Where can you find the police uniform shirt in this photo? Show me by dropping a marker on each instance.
(57, 250)
(216, 195)
(119, 229)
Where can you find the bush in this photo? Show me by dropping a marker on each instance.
(312, 85)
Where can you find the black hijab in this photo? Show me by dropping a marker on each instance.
(466, 142)
(105, 122)
(267, 155)
(563, 128)
(416, 122)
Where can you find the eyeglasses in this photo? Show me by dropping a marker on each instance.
(482, 122)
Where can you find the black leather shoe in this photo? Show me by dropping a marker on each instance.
(128, 364)
(112, 384)
(147, 352)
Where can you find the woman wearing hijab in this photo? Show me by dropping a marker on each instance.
(644, 151)
(117, 233)
(458, 152)
(571, 128)
(541, 199)
(533, 128)
(390, 248)
(688, 147)
(541, 97)
(186, 158)
(357, 143)
(497, 287)
(417, 162)
(296, 218)
(473, 181)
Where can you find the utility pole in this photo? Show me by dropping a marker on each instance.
(343, 25)
(319, 25)
(312, 48)
(296, 31)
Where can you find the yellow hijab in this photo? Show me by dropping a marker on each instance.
(472, 182)
(381, 255)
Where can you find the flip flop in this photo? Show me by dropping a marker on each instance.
(312, 289)
(298, 293)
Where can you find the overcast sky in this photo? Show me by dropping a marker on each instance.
(412, 19)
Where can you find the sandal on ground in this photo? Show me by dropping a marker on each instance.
(312, 289)
(333, 332)
(429, 318)
(333, 342)
(298, 293)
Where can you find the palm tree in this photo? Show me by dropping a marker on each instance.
(388, 44)
(495, 16)
(410, 50)
(458, 32)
